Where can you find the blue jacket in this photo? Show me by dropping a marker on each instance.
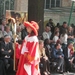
(56, 53)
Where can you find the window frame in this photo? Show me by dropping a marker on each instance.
(50, 4)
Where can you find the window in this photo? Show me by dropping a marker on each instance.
(58, 3)
(6, 5)
(47, 3)
(52, 3)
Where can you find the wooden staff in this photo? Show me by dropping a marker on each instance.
(14, 66)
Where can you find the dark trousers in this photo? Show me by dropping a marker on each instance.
(2, 68)
(8, 63)
(44, 66)
(60, 63)
(67, 65)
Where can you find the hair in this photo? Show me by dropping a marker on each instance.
(32, 33)
(70, 27)
(18, 14)
(56, 32)
(9, 20)
(7, 27)
(56, 29)
(58, 24)
(69, 43)
(56, 44)
(64, 32)
(50, 20)
(41, 41)
(46, 41)
(64, 22)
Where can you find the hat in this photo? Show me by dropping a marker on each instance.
(33, 25)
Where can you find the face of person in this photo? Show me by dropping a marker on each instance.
(57, 29)
(8, 29)
(4, 22)
(59, 46)
(65, 25)
(70, 29)
(29, 30)
(41, 45)
(58, 34)
(7, 39)
(18, 29)
(48, 29)
(71, 46)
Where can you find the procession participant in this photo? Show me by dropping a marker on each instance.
(29, 59)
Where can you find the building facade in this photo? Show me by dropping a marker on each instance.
(58, 10)
(6, 5)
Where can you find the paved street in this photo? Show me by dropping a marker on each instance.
(63, 73)
(67, 73)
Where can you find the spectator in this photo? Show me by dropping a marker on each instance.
(23, 33)
(18, 32)
(58, 57)
(44, 61)
(7, 31)
(10, 24)
(58, 25)
(69, 56)
(3, 25)
(47, 33)
(51, 25)
(63, 38)
(47, 48)
(63, 27)
(56, 37)
(7, 53)
(70, 34)
(55, 30)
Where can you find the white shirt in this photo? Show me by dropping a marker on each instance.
(69, 53)
(55, 38)
(46, 35)
(64, 38)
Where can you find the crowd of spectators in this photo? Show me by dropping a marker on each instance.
(56, 45)
(7, 43)
(59, 46)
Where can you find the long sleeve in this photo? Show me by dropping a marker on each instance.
(5, 49)
(57, 53)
